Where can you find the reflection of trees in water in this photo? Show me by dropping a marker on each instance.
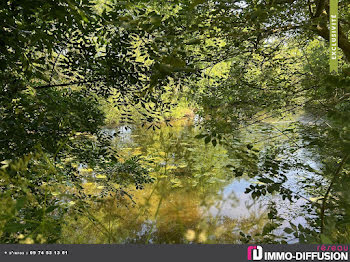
(200, 193)
(180, 219)
(175, 209)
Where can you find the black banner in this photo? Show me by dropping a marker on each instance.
(162, 253)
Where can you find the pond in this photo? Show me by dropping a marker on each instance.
(196, 198)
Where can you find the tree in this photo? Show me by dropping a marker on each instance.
(59, 59)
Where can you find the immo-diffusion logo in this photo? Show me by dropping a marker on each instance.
(333, 253)
(255, 253)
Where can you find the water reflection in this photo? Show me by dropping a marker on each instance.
(195, 198)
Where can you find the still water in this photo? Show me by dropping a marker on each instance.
(195, 198)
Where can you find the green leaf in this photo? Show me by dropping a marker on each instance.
(200, 136)
(12, 227)
(51, 208)
(293, 226)
(288, 230)
(269, 227)
(265, 180)
(273, 187)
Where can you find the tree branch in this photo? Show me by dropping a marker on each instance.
(322, 30)
(344, 43)
(320, 6)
